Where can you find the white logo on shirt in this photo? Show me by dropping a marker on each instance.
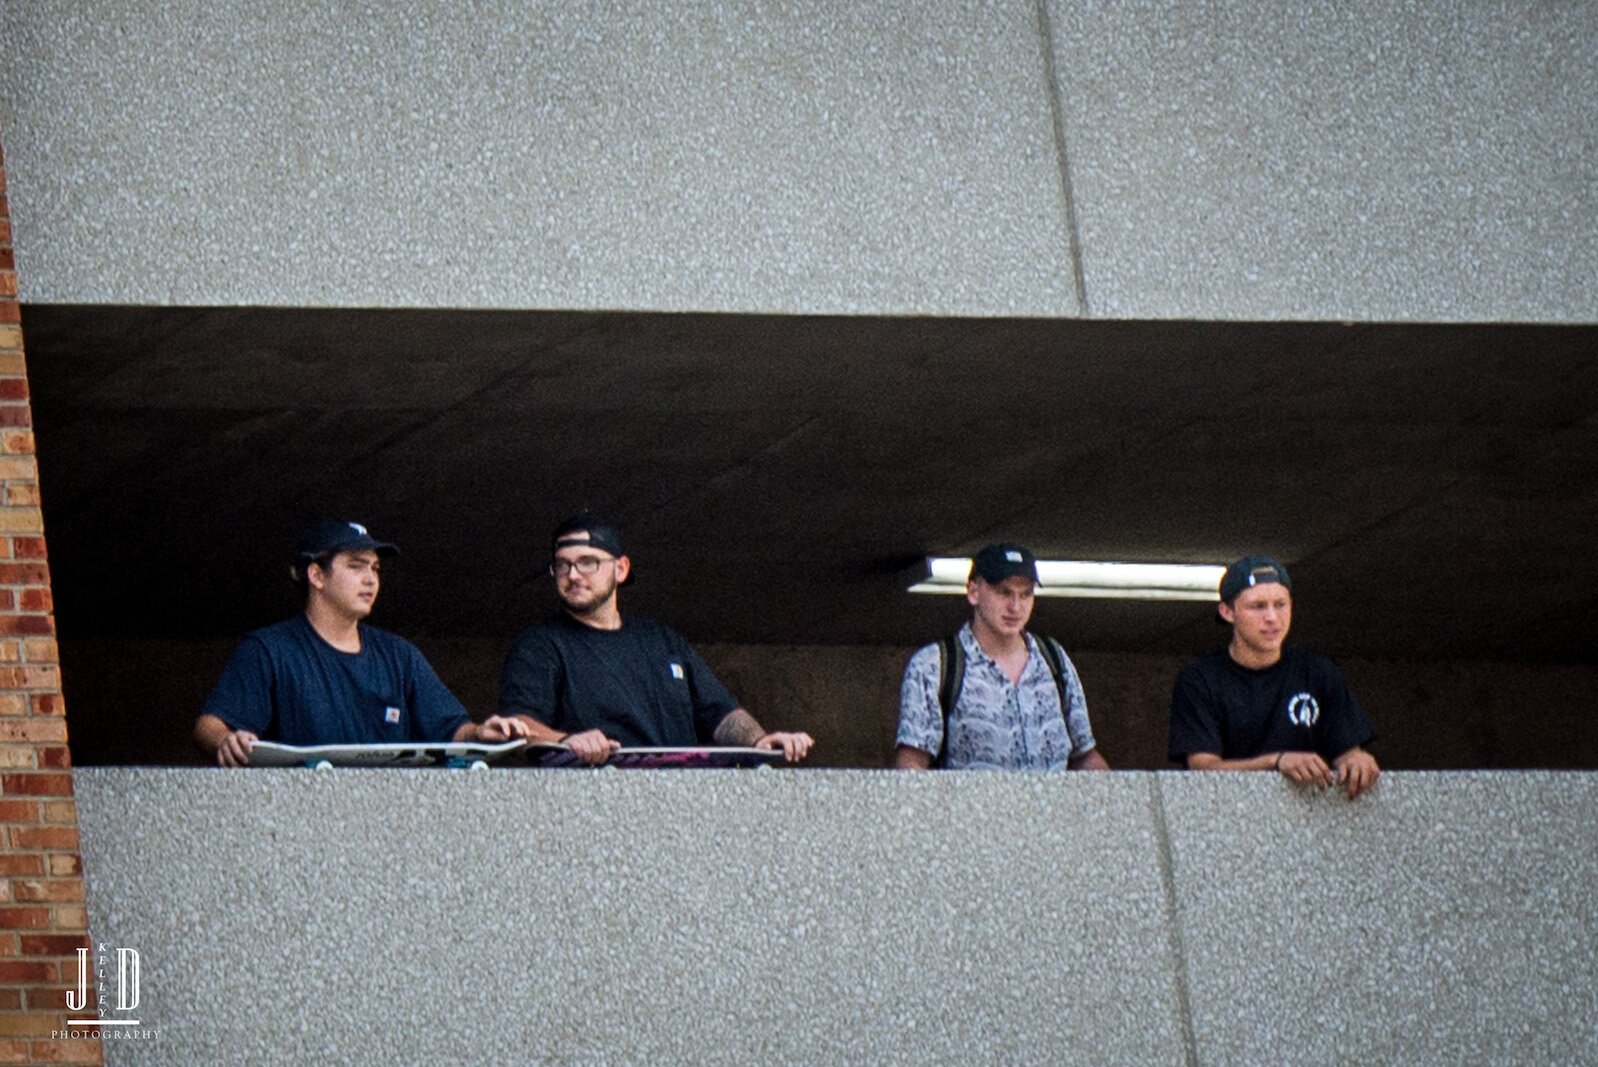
(391, 714)
(1013, 557)
(677, 672)
(1303, 710)
(358, 528)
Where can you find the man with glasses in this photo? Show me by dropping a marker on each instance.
(597, 681)
(1259, 707)
(326, 677)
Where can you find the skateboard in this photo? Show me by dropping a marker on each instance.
(546, 754)
(420, 754)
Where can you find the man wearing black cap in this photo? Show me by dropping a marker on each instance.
(1260, 707)
(995, 696)
(325, 677)
(596, 681)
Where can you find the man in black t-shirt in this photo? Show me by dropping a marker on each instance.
(1259, 707)
(596, 681)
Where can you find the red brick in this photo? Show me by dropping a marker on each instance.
(19, 757)
(13, 971)
(66, 1051)
(8, 283)
(28, 547)
(58, 813)
(27, 624)
(24, 918)
(48, 704)
(15, 811)
(41, 650)
(8, 600)
(13, 388)
(26, 890)
(70, 917)
(7, 260)
(10, 1000)
(54, 758)
(10, 650)
(52, 784)
(63, 865)
(34, 1024)
(18, 468)
(53, 944)
(22, 494)
(16, 414)
(15, 1051)
(14, 865)
(9, 311)
(64, 838)
(16, 442)
(36, 599)
(13, 703)
(36, 730)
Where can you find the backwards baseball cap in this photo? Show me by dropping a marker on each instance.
(326, 538)
(1004, 560)
(587, 528)
(1251, 571)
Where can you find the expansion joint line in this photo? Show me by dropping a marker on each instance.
(1173, 922)
(1073, 233)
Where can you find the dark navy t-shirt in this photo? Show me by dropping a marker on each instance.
(1298, 704)
(641, 684)
(284, 683)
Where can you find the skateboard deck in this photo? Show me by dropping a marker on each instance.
(545, 754)
(419, 754)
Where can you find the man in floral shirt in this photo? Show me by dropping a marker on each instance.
(1013, 710)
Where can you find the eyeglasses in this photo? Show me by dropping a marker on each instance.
(584, 565)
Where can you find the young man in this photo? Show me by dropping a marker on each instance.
(1259, 707)
(1008, 713)
(596, 681)
(326, 677)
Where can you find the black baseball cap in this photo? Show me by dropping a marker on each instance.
(1004, 560)
(587, 528)
(326, 538)
(1251, 571)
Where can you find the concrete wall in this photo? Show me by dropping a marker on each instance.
(131, 706)
(1249, 159)
(846, 917)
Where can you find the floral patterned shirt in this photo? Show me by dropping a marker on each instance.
(995, 725)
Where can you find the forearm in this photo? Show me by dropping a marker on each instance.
(738, 727)
(1209, 761)
(1091, 760)
(210, 732)
(910, 758)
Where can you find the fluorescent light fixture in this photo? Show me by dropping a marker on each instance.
(1085, 578)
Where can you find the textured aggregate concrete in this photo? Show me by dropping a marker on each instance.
(847, 916)
(1258, 159)
(634, 917)
(842, 157)
(1249, 159)
(1453, 920)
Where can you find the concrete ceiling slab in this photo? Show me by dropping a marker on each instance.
(1432, 486)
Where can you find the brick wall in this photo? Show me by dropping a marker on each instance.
(42, 917)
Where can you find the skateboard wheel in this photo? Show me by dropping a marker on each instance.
(322, 765)
(478, 765)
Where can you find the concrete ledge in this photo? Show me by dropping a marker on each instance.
(844, 916)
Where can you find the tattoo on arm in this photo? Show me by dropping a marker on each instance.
(738, 727)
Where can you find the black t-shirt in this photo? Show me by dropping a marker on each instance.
(1299, 703)
(284, 683)
(641, 684)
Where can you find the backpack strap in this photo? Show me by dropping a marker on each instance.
(1054, 655)
(951, 676)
